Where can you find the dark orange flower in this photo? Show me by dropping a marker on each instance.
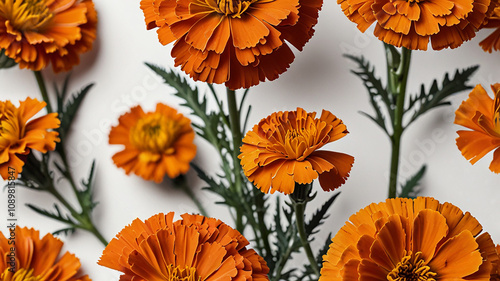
(156, 143)
(283, 150)
(236, 42)
(492, 42)
(481, 114)
(194, 248)
(36, 259)
(410, 239)
(411, 24)
(37, 32)
(18, 135)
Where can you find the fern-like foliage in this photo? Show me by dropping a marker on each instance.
(410, 188)
(435, 97)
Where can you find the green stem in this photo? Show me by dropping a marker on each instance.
(181, 183)
(299, 198)
(43, 89)
(234, 121)
(400, 78)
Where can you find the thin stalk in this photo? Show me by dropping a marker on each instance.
(401, 78)
(181, 183)
(234, 121)
(299, 199)
(43, 89)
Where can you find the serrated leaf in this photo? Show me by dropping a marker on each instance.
(86, 195)
(435, 97)
(5, 61)
(319, 216)
(57, 216)
(65, 231)
(408, 190)
(378, 94)
(71, 108)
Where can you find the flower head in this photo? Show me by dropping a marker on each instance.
(236, 42)
(193, 248)
(283, 150)
(36, 259)
(156, 143)
(410, 239)
(37, 32)
(19, 134)
(492, 42)
(413, 23)
(481, 114)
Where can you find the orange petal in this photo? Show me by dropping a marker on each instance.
(429, 227)
(342, 166)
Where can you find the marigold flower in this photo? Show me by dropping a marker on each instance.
(492, 42)
(18, 135)
(411, 24)
(283, 150)
(193, 248)
(481, 114)
(36, 259)
(236, 42)
(410, 239)
(156, 143)
(37, 32)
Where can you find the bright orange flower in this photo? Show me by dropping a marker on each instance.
(236, 42)
(156, 143)
(36, 259)
(194, 248)
(411, 24)
(492, 42)
(481, 114)
(18, 135)
(282, 150)
(410, 239)
(37, 32)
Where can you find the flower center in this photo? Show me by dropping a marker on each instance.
(155, 133)
(20, 275)
(496, 113)
(298, 141)
(176, 273)
(411, 268)
(26, 15)
(10, 128)
(233, 8)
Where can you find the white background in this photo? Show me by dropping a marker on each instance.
(319, 79)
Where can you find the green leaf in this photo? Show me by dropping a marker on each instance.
(377, 92)
(65, 231)
(86, 195)
(58, 215)
(319, 216)
(5, 61)
(71, 108)
(408, 190)
(423, 102)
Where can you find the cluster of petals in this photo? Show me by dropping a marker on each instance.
(19, 134)
(413, 23)
(26, 256)
(492, 41)
(481, 114)
(42, 32)
(282, 150)
(236, 42)
(192, 248)
(410, 239)
(155, 144)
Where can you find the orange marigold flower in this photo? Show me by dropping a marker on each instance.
(156, 143)
(481, 114)
(236, 42)
(193, 248)
(411, 24)
(37, 32)
(410, 239)
(282, 150)
(492, 42)
(18, 135)
(35, 258)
